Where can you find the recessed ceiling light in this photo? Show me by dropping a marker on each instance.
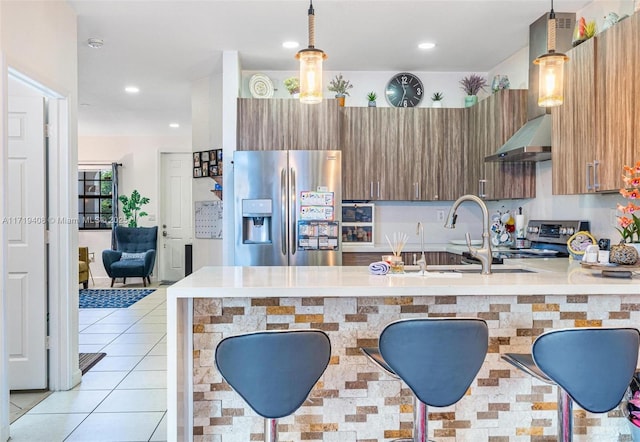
(131, 89)
(95, 43)
(290, 44)
(174, 125)
(427, 45)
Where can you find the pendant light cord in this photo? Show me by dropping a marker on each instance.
(312, 26)
(551, 31)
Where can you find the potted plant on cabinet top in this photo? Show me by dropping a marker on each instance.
(436, 99)
(340, 86)
(293, 86)
(627, 251)
(131, 207)
(471, 85)
(371, 96)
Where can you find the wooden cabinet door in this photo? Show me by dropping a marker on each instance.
(615, 77)
(360, 163)
(509, 179)
(491, 123)
(283, 124)
(574, 124)
(446, 171)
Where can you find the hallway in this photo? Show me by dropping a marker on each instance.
(123, 397)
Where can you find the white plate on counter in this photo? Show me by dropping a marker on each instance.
(463, 242)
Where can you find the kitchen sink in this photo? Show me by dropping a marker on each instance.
(493, 270)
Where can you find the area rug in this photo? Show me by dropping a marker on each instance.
(88, 360)
(111, 298)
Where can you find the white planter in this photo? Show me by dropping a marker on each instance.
(436, 103)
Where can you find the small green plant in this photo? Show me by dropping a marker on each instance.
(293, 85)
(371, 96)
(339, 85)
(437, 96)
(472, 84)
(131, 207)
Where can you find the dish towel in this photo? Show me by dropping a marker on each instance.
(379, 268)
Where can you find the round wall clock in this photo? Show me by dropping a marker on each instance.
(404, 90)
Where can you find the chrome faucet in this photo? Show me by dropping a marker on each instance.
(422, 262)
(484, 253)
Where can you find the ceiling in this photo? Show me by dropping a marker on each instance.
(162, 46)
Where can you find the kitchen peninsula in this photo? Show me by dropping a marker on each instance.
(354, 401)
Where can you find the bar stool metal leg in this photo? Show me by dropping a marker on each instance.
(420, 421)
(565, 416)
(271, 430)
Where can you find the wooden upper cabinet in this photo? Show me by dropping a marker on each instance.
(283, 124)
(574, 124)
(617, 52)
(491, 123)
(360, 162)
(447, 137)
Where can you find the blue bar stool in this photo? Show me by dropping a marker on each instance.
(591, 366)
(274, 371)
(437, 358)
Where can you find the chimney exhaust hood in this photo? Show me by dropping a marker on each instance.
(533, 141)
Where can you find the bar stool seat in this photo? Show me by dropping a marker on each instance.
(438, 358)
(591, 366)
(274, 371)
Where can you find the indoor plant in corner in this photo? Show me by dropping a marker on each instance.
(340, 86)
(131, 207)
(471, 85)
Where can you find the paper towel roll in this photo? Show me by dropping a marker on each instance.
(520, 226)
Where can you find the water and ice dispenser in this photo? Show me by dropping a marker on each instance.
(256, 221)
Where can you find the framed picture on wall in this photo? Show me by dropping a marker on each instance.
(197, 172)
(204, 156)
(196, 159)
(213, 158)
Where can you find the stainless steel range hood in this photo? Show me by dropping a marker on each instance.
(533, 141)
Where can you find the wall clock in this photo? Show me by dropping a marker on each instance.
(404, 90)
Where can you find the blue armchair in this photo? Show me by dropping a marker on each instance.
(135, 255)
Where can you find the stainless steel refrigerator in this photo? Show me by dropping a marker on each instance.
(288, 207)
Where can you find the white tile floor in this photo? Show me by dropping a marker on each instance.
(123, 397)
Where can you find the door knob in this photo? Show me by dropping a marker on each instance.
(164, 226)
(164, 233)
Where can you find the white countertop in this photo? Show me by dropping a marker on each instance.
(554, 276)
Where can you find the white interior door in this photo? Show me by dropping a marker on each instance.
(176, 216)
(26, 266)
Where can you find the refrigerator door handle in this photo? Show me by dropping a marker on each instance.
(292, 209)
(283, 205)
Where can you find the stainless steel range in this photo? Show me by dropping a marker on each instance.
(547, 239)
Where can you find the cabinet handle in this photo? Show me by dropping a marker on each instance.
(283, 196)
(416, 189)
(370, 189)
(378, 189)
(596, 184)
(587, 176)
(481, 188)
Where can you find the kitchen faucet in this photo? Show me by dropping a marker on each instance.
(484, 253)
(422, 262)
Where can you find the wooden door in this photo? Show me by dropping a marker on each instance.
(26, 263)
(176, 219)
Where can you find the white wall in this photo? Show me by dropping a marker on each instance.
(38, 38)
(140, 169)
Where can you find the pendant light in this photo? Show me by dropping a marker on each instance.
(311, 66)
(551, 73)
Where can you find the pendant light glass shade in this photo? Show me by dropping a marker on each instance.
(551, 73)
(551, 79)
(311, 75)
(311, 66)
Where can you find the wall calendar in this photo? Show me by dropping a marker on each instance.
(208, 217)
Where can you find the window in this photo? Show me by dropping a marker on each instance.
(94, 200)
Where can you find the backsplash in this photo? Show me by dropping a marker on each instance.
(403, 216)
